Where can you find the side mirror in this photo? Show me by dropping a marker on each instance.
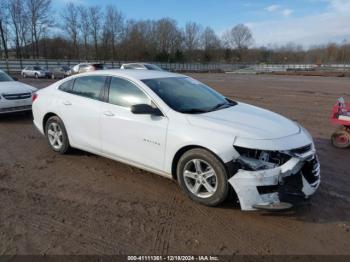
(144, 109)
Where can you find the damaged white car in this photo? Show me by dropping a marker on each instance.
(177, 127)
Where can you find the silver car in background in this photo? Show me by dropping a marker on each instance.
(36, 71)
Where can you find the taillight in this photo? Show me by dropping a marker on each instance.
(34, 97)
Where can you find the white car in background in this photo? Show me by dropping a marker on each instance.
(178, 127)
(36, 71)
(14, 96)
(141, 66)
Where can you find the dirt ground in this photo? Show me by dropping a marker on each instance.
(85, 204)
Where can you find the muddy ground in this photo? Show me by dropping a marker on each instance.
(85, 204)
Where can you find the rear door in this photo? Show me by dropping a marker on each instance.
(81, 110)
(136, 138)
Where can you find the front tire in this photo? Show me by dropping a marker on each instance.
(203, 177)
(56, 135)
(36, 76)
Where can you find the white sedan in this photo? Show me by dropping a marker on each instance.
(178, 127)
(14, 96)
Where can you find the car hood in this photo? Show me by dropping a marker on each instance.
(246, 121)
(14, 87)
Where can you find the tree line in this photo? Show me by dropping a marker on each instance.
(31, 29)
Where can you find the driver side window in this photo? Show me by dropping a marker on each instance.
(124, 93)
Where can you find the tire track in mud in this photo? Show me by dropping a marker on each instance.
(88, 241)
(223, 228)
(83, 237)
(247, 241)
(166, 227)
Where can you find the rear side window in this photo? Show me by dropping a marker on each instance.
(89, 86)
(124, 93)
(67, 86)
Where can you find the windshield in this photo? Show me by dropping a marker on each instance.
(153, 67)
(187, 95)
(5, 78)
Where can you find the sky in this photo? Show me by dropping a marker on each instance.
(304, 22)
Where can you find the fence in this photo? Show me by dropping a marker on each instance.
(16, 65)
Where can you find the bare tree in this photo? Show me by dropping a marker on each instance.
(95, 25)
(71, 25)
(169, 37)
(192, 37)
(113, 27)
(211, 44)
(39, 20)
(19, 24)
(84, 27)
(209, 39)
(239, 37)
(3, 27)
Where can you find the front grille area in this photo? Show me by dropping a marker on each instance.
(17, 96)
(310, 171)
(13, 109)
(291, 189)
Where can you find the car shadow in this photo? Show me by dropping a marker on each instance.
(16, 117)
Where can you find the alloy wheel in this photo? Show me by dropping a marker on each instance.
(55, 135)
(200, 178)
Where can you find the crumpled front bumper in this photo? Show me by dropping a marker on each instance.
(297, 178)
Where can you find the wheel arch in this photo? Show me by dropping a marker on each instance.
(182, 151)
(46, 118)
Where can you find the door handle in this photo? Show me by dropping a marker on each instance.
(67, 103)
(108, 113)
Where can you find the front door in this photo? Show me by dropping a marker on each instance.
(126, 136)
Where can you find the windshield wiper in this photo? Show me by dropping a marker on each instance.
(220, 105)
(194, 111)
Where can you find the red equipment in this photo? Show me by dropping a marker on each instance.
(341, 117)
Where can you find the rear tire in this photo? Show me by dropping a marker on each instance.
(56, 135)
(203, 177)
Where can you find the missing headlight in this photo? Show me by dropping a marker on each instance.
(254, 164)
(255, 159)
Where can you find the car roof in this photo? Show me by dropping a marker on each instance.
(136, 74)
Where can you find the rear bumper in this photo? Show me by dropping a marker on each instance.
(297, 179)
